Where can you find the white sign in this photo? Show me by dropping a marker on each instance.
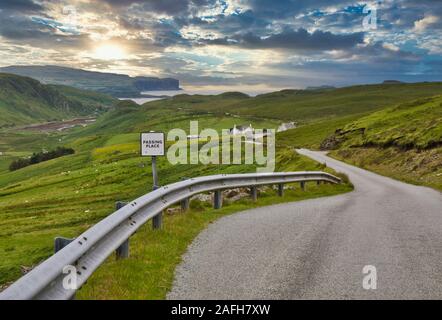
(152, 144)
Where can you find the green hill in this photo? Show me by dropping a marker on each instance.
(380, 127)
(66, 195)
(317, 113)
(89, 98)
(411, 125)
(304, 106)
(25, 100)
(117, 85)
(404, 141)
(396, 124)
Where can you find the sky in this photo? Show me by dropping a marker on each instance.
(230, 43)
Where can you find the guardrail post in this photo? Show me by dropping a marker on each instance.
(123, 250)
(217, 199)
(185, 203)
(280, 189)
(318, 182)
(157, 221)
(60, 243)
(303, 185)
(254, 193)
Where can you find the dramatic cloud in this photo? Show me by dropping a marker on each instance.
(425, 23)
(160, 6)
(289, 8)
(284, 43)
(21, 5)
(299, 40)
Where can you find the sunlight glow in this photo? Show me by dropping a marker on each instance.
(109, 52)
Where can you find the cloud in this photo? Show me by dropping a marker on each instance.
(21, 27)
(169, 7)
(423, 24)
(230, 41)
(289, 8)
(297, 40)
(20, 5)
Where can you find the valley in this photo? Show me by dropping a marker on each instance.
(59, 125)
(205, 150)
(64, 196)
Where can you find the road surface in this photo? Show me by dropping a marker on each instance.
(317, 249)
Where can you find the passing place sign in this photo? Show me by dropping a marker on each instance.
(152, 144)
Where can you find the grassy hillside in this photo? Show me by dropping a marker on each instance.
(412, 125)
(404, 141)
(306, 106)
(117, 85)
(24, 100)
(318, 113)
(394, 129)
(99, 101)
(311, 135)
(381, 127)
(64, 196)
(129, 119)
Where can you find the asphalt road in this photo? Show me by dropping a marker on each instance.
(316, 249)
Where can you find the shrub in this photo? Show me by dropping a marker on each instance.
(40, 157)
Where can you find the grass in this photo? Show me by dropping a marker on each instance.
(65, 196)
(312, 134)
(403, 142)
(419, 167)
(154, 254)
(413, 125)
(306, 106)
(24, 100)
(401, 124)
(93, 99)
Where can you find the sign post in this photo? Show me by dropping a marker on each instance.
(152, 145)
(155, 173)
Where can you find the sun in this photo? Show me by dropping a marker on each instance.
(109, 52)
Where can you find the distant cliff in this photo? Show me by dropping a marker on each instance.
(149, 83)
(117, 85)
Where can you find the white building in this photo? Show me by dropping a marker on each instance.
(286, 126)
(242, 130)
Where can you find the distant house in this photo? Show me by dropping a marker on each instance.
(242, 129)
(249, 132)
(286, 126)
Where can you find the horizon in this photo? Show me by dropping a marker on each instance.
(288, 44)
(250, 90)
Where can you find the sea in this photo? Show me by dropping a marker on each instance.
(212, 90)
